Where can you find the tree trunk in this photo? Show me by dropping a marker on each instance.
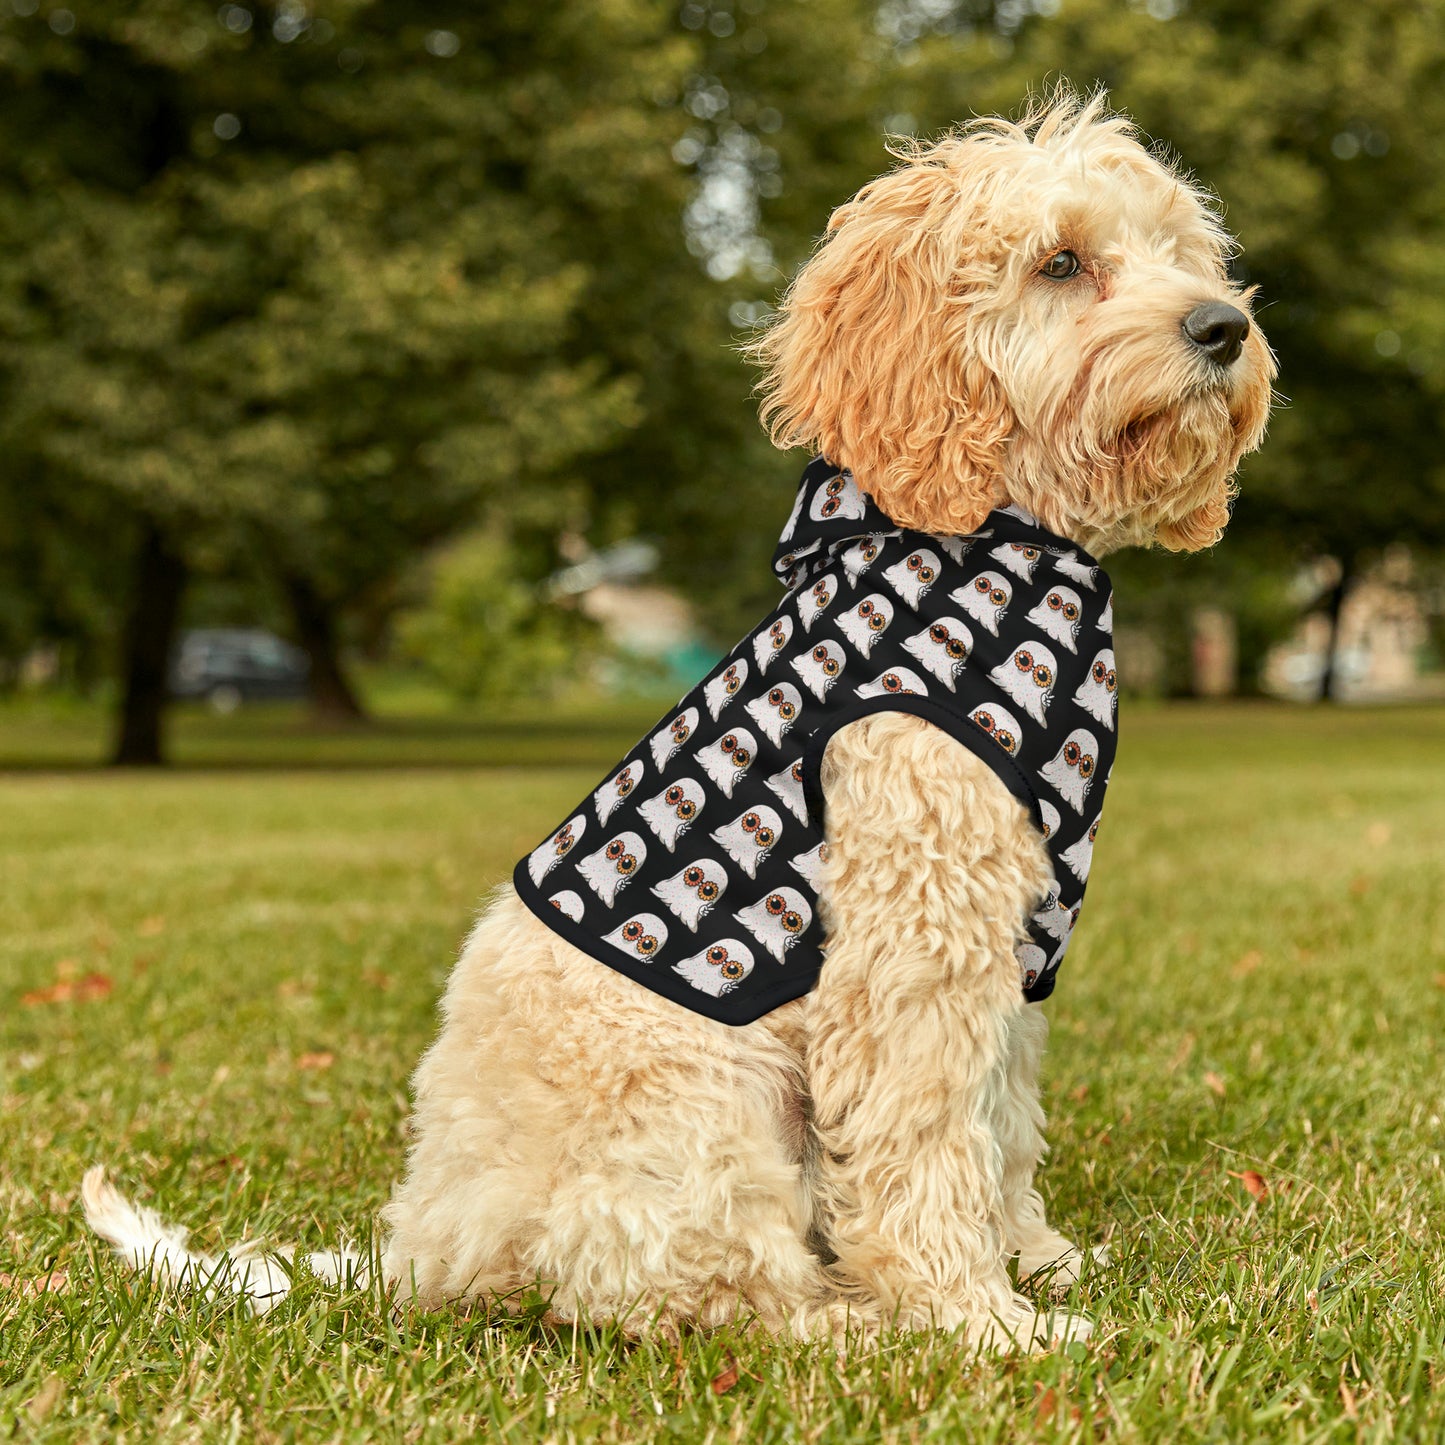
(333, 699)
(1329, 678)
(150, 629)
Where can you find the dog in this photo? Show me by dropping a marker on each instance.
(1026, 318)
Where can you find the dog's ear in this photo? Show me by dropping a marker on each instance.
(872, 359)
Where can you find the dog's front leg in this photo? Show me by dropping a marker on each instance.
(933, 865)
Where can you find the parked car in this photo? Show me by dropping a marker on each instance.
(230, 665)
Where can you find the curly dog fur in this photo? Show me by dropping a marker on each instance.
(866, 1155)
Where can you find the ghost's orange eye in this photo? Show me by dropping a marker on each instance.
(925, 575)
(876, 623)
(741, 758)
(1043, 676)
(830, 506)
(1072, 754)
(1099, 671)
(729, 743)
(865, 609)
(647, 944)
(820, 590)
(984, 720)
(707, 892)
(914, 562)
(1054, 601)
(981, 584)
(938, 633)
(1071, 613)
(1023, 659)
(750, 822)
(792, 922)
(834, 487)
(1093, 830)
(732, 968)
(680, 731)
(830, 667)
(687, 810)
(1030, 553)
(869, 552)
(1086, 766)
(997, 597)
(1030, 976)
(787, 712)
(955, 649)
(764, 837)
(1111, 682)
(615, 849)
(797, 772)
(692, 877)
(632, 930)
(892, 682)
(673, 796)
(717, 954)
(1006, 740)
(626, 863)
(776, 903)
(775, 697)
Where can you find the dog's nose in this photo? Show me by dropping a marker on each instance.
(1217, 330)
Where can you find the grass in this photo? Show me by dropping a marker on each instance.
(1257, 987)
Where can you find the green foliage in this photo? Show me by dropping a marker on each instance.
(247, 919)
(485, 634)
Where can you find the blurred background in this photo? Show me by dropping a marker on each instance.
(367, 362)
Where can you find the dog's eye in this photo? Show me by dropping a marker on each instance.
(1061, 266)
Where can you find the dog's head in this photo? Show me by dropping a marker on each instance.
(1034, 312)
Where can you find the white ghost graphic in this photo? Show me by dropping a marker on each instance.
(1014, 510)
(820, 668)
(569, 903)
(1058, 615)
(691, 892)
(1056, 918)
(858, 558)
(788, 785)
(792, 522)
(1031, 961)
(776, 711)
(779, 921)
(959, 547)
(674, 810)
(642, 936)
(942, 648)
(1098, 693)
(1106, 617)
(1028, 677)
(616, 788)
(722, 689)
(546, 856)
(914, 575)
(767, 645)
(863, 625)
(726, 760)
(985, 599)
(1080, 856)
(813, 603)
(667, 740)
(1071, 770)
(719, 969)
(1069, 564)
(811, 864)
(896, 682)
(1050, 815)
(611, 868)
(1018, 558)
(750, 837)
(1000, 725)
(838, 499)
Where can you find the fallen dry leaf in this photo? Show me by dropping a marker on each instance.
(56, 1282)
(1044, 1410)
(1440, 980)
(80, 990)
(376, 978)
(1214, 1083)
(1360, 885)
(1080, 1094)
(321, 1059)
(723, 1382)
(1247, 964)
(1254, 1182)
(1347, 1399)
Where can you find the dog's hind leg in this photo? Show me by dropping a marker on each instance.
(933, 867)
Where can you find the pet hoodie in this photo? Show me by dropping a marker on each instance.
(693, 868)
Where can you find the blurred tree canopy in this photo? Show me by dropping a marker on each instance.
(305, 289)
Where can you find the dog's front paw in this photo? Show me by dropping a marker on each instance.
(1023, 1326)
(1056, 1265)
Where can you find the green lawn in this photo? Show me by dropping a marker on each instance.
(1259, 984)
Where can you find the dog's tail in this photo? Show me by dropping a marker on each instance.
(147, 1243)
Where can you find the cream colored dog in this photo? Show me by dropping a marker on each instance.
(1036, 313)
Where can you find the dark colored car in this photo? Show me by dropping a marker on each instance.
(230, 665)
